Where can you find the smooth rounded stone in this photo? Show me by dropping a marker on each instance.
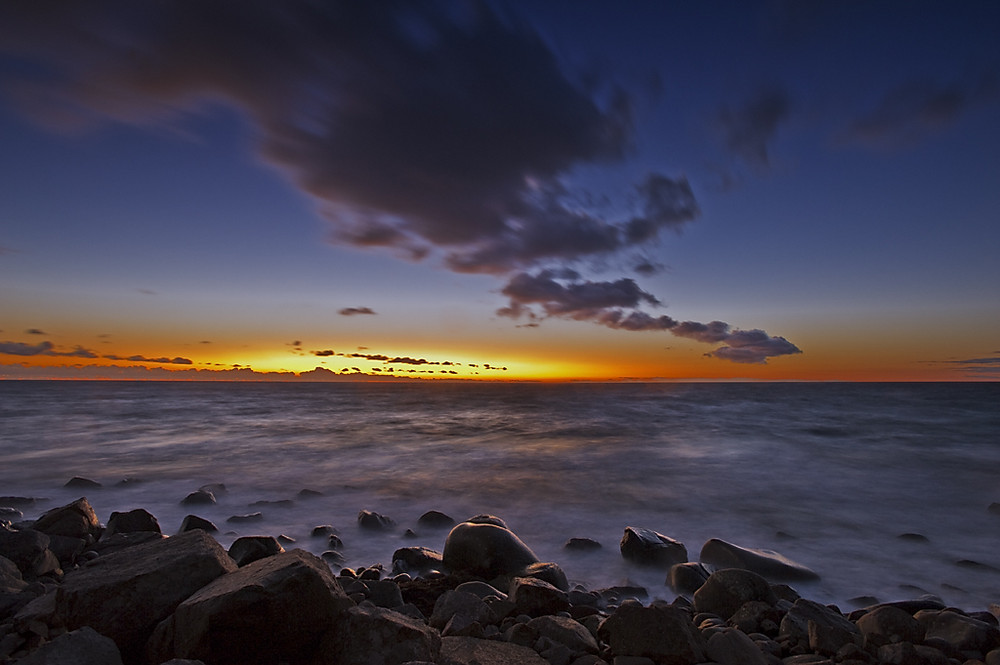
(732, 647)
(415, 559)
(371, 520)
(333, 557)
(547, 572)
(434, 519)
(247, 549)
(913, 537)
(452, 603)
(84, 646)
(285, 540)
(582, 545)
(369, 635)
(535, 597)
(649, 548)
(80, 483)
(246, 518)
(567, 632)
(307, 493)
(138, 519)
(322, 530)
(726, 590)
(797, 623)
(962, 632)
(485, 550)
(481, 590)
(29, 551)
(192, 522)
(334, 541)
(76, 520)
(199, 498)
(469, 650)
(484, 518)
(660, 632)
(686, 578)
(886, 625)
(10, 513)
(768, 563)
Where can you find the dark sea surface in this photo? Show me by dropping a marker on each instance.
(830, 475)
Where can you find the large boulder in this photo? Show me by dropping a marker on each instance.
(563, 630)
(469, 651)
(811, 624)
(725, 591)
(75, 520)
(649, 548)
(887, 625)
(767, 563)
(275, 609)
(485, 550)
(124, 595)
(369, 635)
(661, 632)
(11, 580)
(80, 647)
(964, 633)
(29, 550)
(468, 606)
(686, 578)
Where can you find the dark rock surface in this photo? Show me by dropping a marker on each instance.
(74, 520)
(485, 549)
(660, 632)
(725, 591)
(718, 554)
(138, 519)
(247, 549)
(649, 548)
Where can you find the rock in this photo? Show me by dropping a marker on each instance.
(199, 498)
(434, 519)
(384, 593)
(307, 493)
(905, 653)
(660, 632)
(962, 632)
(79, 483)
(730, 646)
(124, 595)
(756, 617)
(582, 545)
(798, 621)
(245, 519)
(248, 549)
(369, 635)
(565, 631)
(119, 541)
(993, 508)
(483, 518)
(887, 625)
(485, 550)
(472, 651)
(217, 489)
(192, 522)
(649, 548)
(535, 597)
(130, 522)
(29, 551)
(726, 590)
(11, 580)
(274, 609)
(79, 647)
(547, 572)
(452, 603)
(415, 559)
(76, 520)
(686, 578)
(11, 514)
(19, 501)
(481, 590)
(374, 521)
(322, 530)
(767, 563)
(281, 503)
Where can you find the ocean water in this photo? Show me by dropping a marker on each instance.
(830, 475)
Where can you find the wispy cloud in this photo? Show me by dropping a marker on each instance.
(354, 311)
(747, 129)
(143, 359)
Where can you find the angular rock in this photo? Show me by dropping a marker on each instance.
(767, 563)
(536, 597)
(567, 632)
(80, 483)
(415, 559)
(125, 594)
(274, 609)
(384, 593)
(725, 591)
(11, 580)
(472, 651)
(199, 498)
(434, 519)
(660, 632)
(730, 646)
(29, 550)
(962, 632)
(84, 646)
(369, 635)
(452, 603)
(247, 549)
(649, 548)
(686, 578)
(192, 522)
(119, 541)
(797, 623)
(130, 522)
(582, 545)
(76, 520)
(485, 550)
(887, 625)
(368, 519)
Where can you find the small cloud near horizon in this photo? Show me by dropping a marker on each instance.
(354, 311)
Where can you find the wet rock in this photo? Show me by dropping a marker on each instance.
(913, 537)
(535, 597)
(79, 647)
(798, 623)
(247, 549)
(481, 590)
(29, 551)
(470, 651)
(80, 483)
(75, 520)
(686, 578)
(368, 519)
(483, 518)
(649, 548)
(369, 635)
(307, 493)
(124, 595)
(246, 518)
(730, 646)
(322, 530)
(119, 541)
(130, 522)
(467, 605)
(485, 550)
(244, 617)
(384, 593)
(19, 501)
(660, 632)
(767, 563)
(199, 498)
(756, 617)
(218, 489)
(725, 591)
(567, 632)
(10, 514)
(887, 625)
(434, 519)
(547, 572)
(416, 559)
(191, 522)
(582, 545)
(962, 632)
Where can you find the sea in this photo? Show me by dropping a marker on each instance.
(883, 489)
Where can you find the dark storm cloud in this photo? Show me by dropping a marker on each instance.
(918, 108)
(608, 303)
(747, 130)
(353, 311)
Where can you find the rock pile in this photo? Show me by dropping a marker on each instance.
(486, 600)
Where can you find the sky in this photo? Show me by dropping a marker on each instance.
(544, 190)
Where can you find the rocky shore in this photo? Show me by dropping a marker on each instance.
(76, 591)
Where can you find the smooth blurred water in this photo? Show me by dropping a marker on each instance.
(828, 474)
